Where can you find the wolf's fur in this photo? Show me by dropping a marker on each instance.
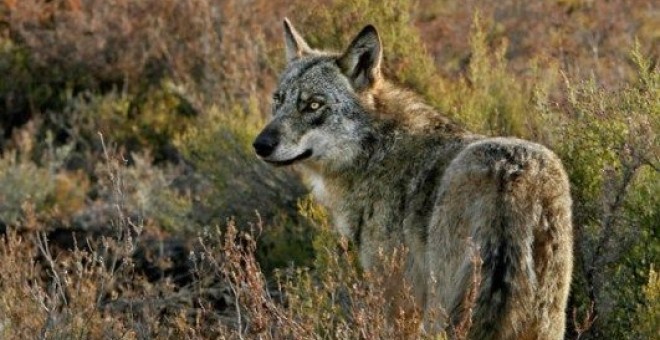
(393, 172)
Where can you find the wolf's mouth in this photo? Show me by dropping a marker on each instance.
(306, 154)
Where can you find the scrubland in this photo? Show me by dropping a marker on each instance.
(132, 205)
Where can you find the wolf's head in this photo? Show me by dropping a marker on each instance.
(318, 106)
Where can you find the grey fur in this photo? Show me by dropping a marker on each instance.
(393, 172)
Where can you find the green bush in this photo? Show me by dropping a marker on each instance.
(490, 98)
(649, 311)
(608, 142)
(236, 185)
(28, 186)
(145, 121)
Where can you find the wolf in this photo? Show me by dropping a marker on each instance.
(393, 172)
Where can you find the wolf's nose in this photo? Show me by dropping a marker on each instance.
(265, 144)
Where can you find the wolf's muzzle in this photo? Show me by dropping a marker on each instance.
(266, 142)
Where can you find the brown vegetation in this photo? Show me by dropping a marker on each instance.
(150, 230)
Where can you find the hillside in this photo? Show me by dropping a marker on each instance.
(133, 206)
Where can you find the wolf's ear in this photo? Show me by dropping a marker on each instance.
(361, 61)
(296, 46)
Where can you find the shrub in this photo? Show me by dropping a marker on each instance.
(48, 190)
(490, 99)
(154, 234)
(236, 185)
(609, 146)
(649, 311)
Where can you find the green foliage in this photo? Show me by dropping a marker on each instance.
(326, 242)
(23, 182)
(609, 146)
(220, 146)
(609, 130)
(286, 243)
(236, 185)
(316, 293)
(337, 298)
(490, 98)
(148, 194)
(649, 311)
(147, 120)
(45, 190)
(13, 66)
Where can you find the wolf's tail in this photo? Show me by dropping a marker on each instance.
(517, 286)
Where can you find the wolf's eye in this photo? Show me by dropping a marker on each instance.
(313, 106)
(310, 105)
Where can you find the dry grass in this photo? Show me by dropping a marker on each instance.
(152, 233)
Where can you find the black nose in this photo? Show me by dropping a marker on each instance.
(266, 143)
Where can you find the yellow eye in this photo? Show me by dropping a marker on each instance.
(314, 105)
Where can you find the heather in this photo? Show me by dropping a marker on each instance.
(132, 204)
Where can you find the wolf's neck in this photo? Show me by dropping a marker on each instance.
(409, 112)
